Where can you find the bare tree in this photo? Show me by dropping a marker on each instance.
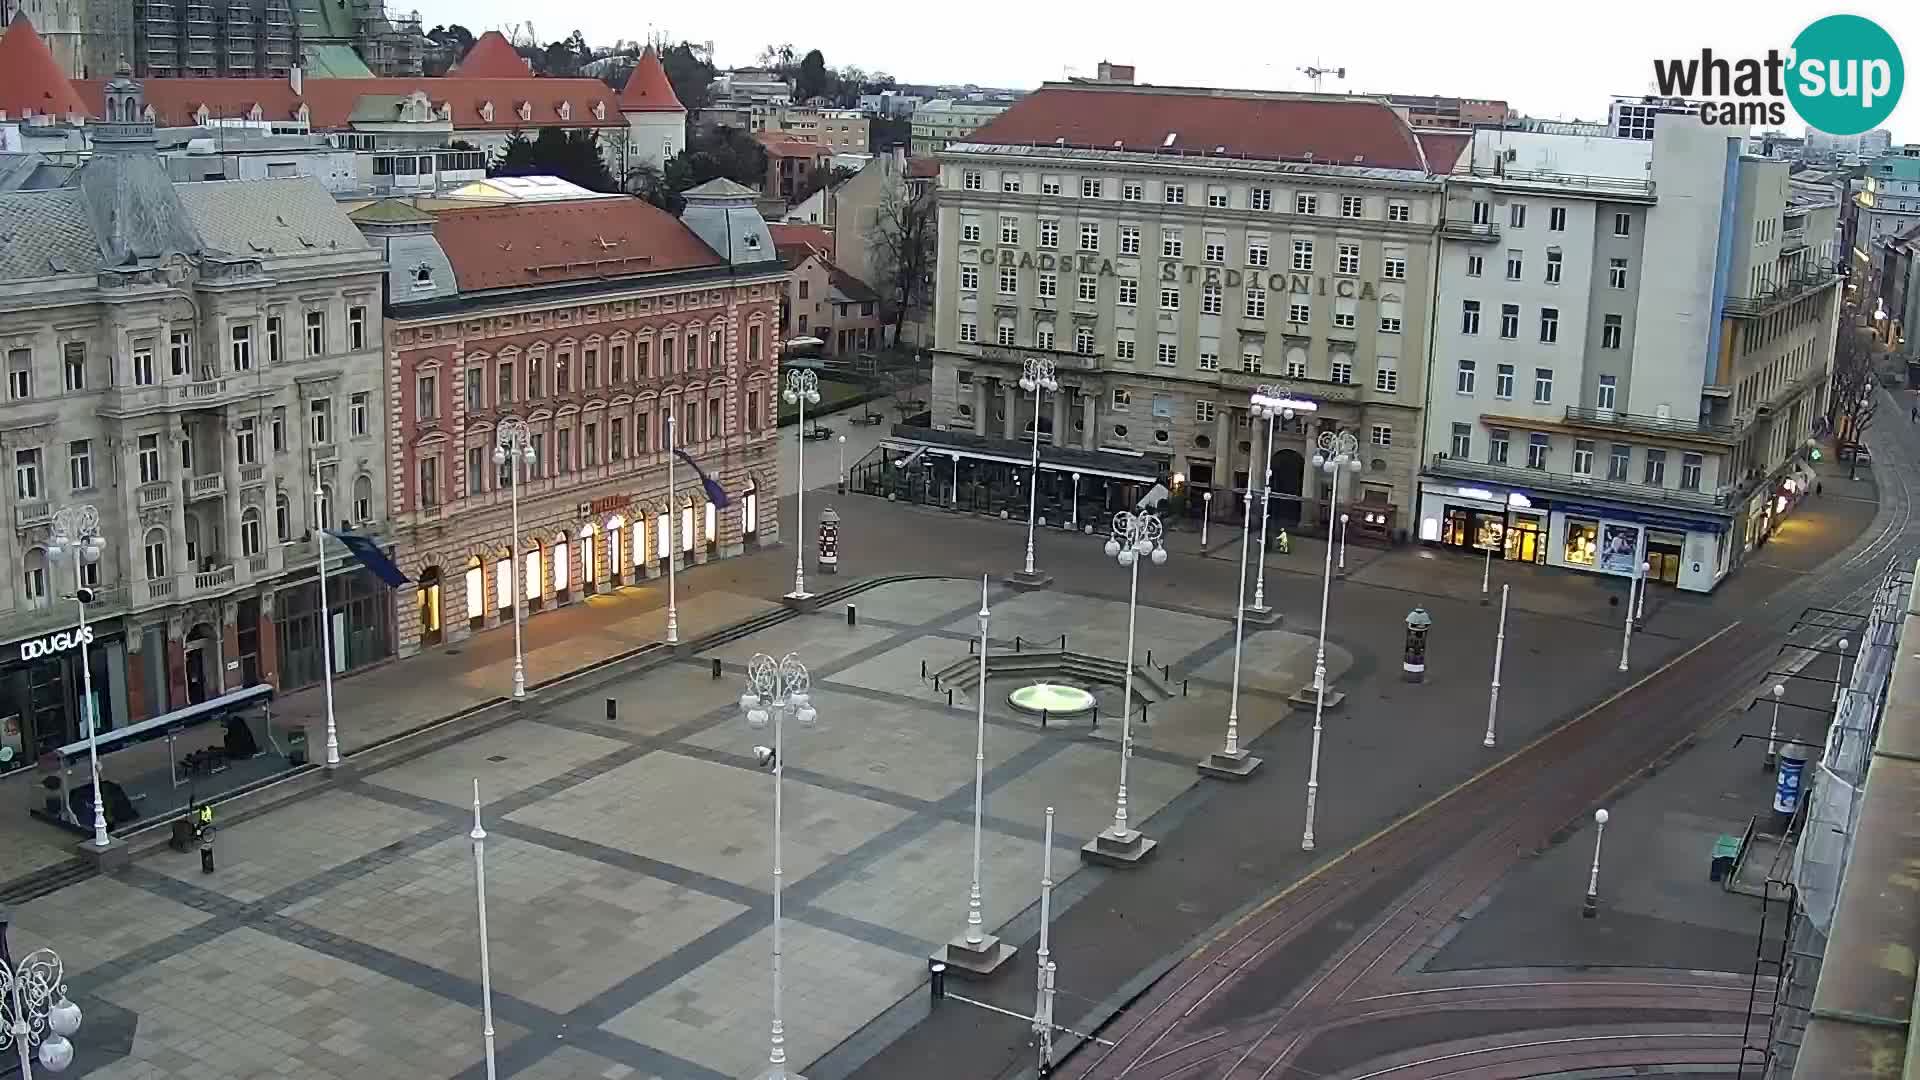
(1851, 394)
(900, 243)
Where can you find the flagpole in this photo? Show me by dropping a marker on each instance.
(673, 526)
(326, 616)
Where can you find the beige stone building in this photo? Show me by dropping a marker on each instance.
(1171, 250)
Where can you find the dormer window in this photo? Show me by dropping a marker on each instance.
(524, 110)
(565, 110)
(256, 114)
(599, 110)
(149, 114)
(486, 112)
(201, 115)
(422, 277)
(303, 115)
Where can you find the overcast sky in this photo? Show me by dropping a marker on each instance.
(1542, 62)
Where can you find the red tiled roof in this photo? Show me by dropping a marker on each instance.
(30, 78)
(1163, 120)
(816, 237)
(648, 89)
(779, 145)
(491, 57)
(331, 101)
(1443, 149)
(503, 246)
(795, 254)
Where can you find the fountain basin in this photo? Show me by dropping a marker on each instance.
(1053, 699)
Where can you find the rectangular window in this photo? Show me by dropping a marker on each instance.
(1129, 291)
(1172, 243)
(476, 471)
(1303, 255)
(1049, 286)
(1393, 268)
(1209, 361)
(1619, 456)
(1656, 469)
(149, 459)
(1123, 347)
(1296, 369)
(1464, 376)
(1176, 194)
(240, 346)
(1210, 302)
(1610, 331)
(1089, 188)
(1503, 381)
(1129, 239)
(1256, 303)
(1549, 325)
(1382, 435)
(1216, 249)
(1260, 199)
(1257, 253)
(1049, 233)
(1617, 273)
(1010, 183)
(1515, 264)
(1351, 206)
(1217, 197)
(278, 423)
(969, 330)
(971, 180)
(1537, 448)
(969, 281)
(563, 449)
(1049, 185)
(1469, 316)
(1122, 399)
(1543, 386)
(1557, 219)
(1399, 211)
(1168, 355)
(80, 464)
(143, 374)
(73, 361)
(1251, 360)
(316, 333)
(273, 339)
(1340, 371)
(1386, 374)
(616, 439)
(1083, 340)
(1010, 231)
(1299, 313)
(1553, 268)
(1089, 289)
(180, 351)
(19, 374)
(1517, 215)
(1583, 457)
(1603, 399)
(1133, 191)
(320, 421)
(1344, 319)
(1462, 446)
(1043, 337)
(1306, 204)
(1623, 224)
(246, 449)
(1089, 236)
(1009, 279)
(1482, 213)
(1005, 335)
(1497, 446)
(969, 232)
(1389, 324)
(26, 475)
(357, 415)
(1690, 472)
(356, 328)
(1348, 263)
(617, 364)
(1203, 412)
(1510, 321)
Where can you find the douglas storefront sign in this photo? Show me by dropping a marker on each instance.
(53, 644)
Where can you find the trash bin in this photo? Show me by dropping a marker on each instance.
(297, 747)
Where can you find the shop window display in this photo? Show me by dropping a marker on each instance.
(1583, 542)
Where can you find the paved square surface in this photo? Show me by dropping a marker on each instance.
(511, 759)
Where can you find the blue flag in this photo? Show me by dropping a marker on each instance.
(716, 494)
(365, 549)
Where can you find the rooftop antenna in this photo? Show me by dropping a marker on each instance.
(1315, 72)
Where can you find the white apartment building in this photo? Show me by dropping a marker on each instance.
(1632, 337)
(189, 360)
(940, 123)
(1171, 250)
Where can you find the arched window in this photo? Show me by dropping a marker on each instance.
(250, 539)
(282, 517)
(587, 555)
(562, 566)
(662, 539)
(156, 547)
(639, 542)
(363, 498)
(750, 512)
(503, 581)
(476, 589)
(530, 574)
(712, 523)
(326, 507)
(686, 525)
(34, 578)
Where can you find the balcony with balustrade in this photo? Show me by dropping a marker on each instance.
(1804, 284)
(1479, 232)
(1680, 429)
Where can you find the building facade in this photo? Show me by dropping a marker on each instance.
(1427, 111)
(200, 363)
(1631, 344)
(940, 123)
(608, 321)
(1169, 267)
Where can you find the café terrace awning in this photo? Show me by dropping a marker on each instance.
(1112, 464)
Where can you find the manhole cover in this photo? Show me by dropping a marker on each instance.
(497, 758)
(1054, 699)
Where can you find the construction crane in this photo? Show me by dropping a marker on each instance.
(1316, 73)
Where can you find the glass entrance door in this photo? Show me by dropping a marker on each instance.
(1526, 540)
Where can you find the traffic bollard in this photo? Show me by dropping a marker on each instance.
(613, 708)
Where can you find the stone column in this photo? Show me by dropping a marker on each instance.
(1223, 449)
(1061, 437)
(230, 502)
(170, 465)
(979, 406)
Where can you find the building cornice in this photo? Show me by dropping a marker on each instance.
(540, 298)
(1225, 166)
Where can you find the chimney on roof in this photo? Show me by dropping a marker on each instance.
(1114, 73)
(295, 79)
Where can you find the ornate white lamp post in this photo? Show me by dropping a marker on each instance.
(1343, 545)
(34, 1009)
(1499, 654)
(1269, 403)
(1773, 728)
(1036, 378)
(673, 536)
(841, 487)
(1339, 452)
(479, 838)
(803, 389)
(320, 534)
(1231, 762)
(776, 688)
(1136, 536)
(513, 447)
(1590, 907)
(977, 952)
(76, 529)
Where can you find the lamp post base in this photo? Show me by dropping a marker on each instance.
(1020, 579)
(801, 602)
(772, 1073)
(1303, 698)
(112, 857)
(1224, 766)
(973, 962)
(1590, 907)
(1130, 848)
(1262, 614)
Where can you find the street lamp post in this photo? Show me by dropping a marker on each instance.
(1591, 905)
(803, 389)
(1343, 545)
(977, 952)
(1135, 536)
(1043, 959)
(774, 689)
(956, 480)
(1840, 677)
(1339, 452)
(1773, 729)
(34, 1008)
(320, 512)
(1074, 523)
(77, 529)
(1036, 378)
(1486, 578)
(1499, 654)
(673, 534)
(1626, 630)
(1206, 516)
(1269, 403)
(479, 838)
(841, 487)
(513, 447)
(1640, 607)
(1232, 762)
